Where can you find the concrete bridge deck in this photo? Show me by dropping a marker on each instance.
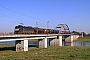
(21, 41)
(24, 35)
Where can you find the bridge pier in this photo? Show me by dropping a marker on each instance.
(69, 39)
(75, 37)
(42, 43)
(56, 42)
(21, 45)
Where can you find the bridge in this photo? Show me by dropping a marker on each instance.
(21, 41)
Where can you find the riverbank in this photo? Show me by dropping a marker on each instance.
(83, 39)
(50, 53)
(7, 52)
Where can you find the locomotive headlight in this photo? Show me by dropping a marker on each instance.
(16, 29)
(45, 30)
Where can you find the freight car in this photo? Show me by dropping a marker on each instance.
(64, 32)
(33, 30)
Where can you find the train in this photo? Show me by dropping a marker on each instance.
(20, 29)
(33, 30)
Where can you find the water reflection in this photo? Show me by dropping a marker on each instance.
(81, 43)
(63, 44)
(77, 44)
(68, 44)
(8, 42)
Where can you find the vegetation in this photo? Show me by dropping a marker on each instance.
(75, 32)
(7, 52)
(50, 53)
(83, 39)
(79, 33)
(88, 34)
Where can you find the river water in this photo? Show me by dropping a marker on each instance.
(63, 44)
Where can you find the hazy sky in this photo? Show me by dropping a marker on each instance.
(74, 13)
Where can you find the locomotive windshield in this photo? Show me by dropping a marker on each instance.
(17, 28)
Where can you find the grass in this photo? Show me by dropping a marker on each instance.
(7, 52)
(50, 53)
(83, 39)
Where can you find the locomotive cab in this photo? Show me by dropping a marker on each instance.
(23, 29)
(18, 29)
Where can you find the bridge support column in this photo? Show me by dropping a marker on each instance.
(42, 43)
(56, 42)
(75, 37)
(69, 39)
(21, 45)
(81, 34)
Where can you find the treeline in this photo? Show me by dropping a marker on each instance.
(80, 33)
(88, 34)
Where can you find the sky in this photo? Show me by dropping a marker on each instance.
(74, 13)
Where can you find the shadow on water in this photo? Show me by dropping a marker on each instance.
(7, 48)
(4, 46)
(32, 45)
(35, 44)
(14, 48)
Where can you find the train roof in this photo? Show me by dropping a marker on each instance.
(24, 26)
(34, 27)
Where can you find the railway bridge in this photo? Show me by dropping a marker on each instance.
(55, 39)
(21, 41)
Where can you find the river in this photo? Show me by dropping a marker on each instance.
(63, 44)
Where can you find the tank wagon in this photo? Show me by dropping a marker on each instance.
(33, 30)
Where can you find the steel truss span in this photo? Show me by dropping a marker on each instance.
(63, 28)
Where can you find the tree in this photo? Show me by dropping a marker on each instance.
(88, 34)
(75, 32)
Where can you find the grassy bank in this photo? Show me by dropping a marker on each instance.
(7, 52)
(83, 39)
(50, 53)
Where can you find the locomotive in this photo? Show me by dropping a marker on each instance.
(33, 30)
